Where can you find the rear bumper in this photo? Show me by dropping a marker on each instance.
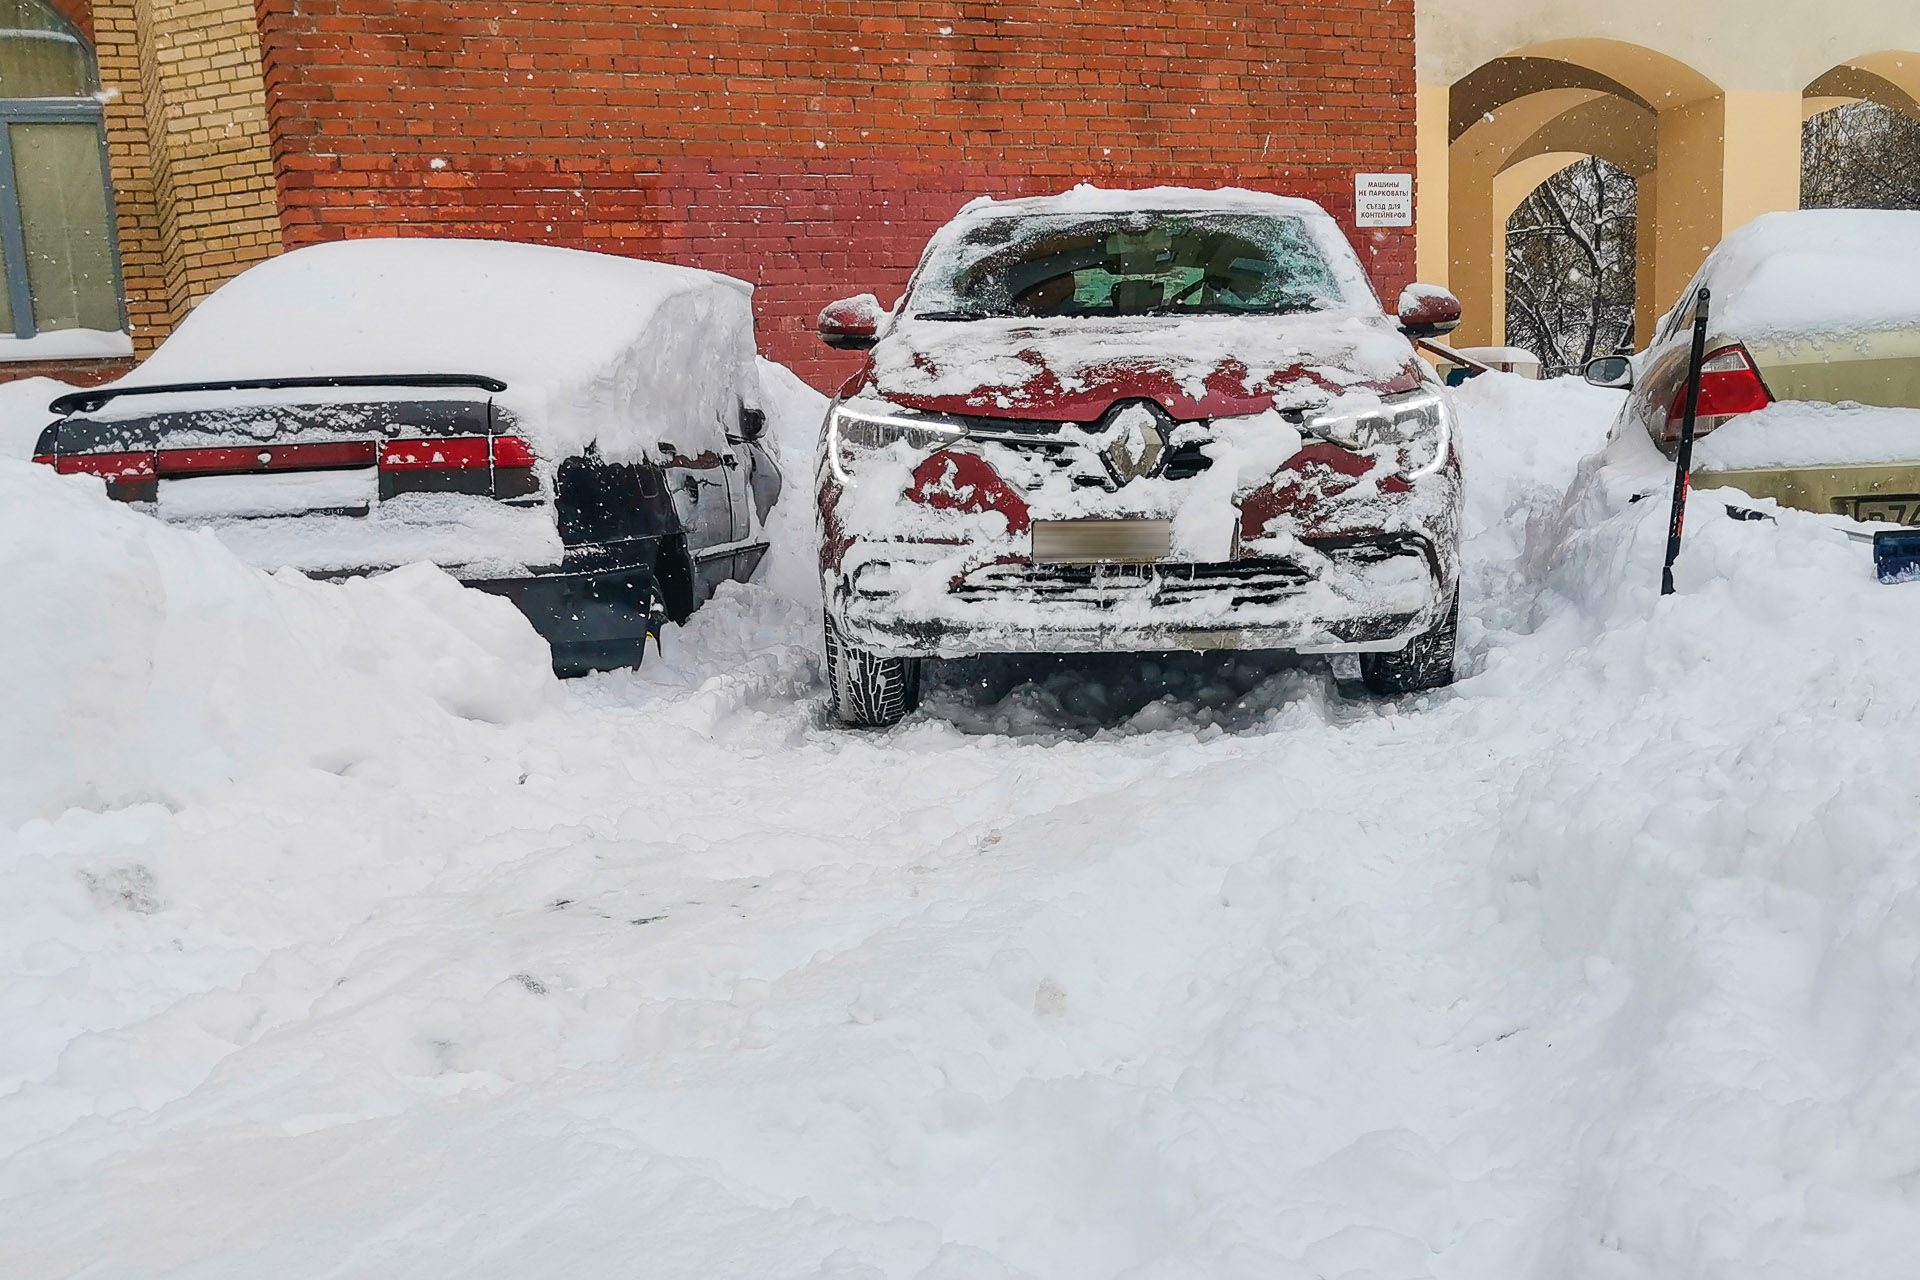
(1364, 595)
(594, 621)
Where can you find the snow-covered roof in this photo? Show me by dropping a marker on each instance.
(591, 346)
(1817, 271)
(1087, 198)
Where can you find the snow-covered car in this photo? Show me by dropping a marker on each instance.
(1137, 421)
(573, 431)
(1810, 393)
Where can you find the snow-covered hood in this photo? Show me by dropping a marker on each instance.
(1194, 366)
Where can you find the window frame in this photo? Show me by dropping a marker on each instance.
(13, 232)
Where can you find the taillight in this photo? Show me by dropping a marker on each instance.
(450, 453)
(456, 453)
(112, 466)
(512, 451)
(130, 477)
(493, 466)
(1730, 385)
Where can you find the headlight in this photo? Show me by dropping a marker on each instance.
(854, 428)
(1419, 421)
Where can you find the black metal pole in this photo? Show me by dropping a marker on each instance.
(1683, 458)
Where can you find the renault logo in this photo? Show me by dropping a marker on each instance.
(1133, 442)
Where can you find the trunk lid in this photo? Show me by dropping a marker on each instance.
(1880, 367)
(195, 457)
(327, 479)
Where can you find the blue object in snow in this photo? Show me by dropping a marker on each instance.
(1896, 555)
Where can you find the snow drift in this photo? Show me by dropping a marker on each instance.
(144, 663)
(24, 413)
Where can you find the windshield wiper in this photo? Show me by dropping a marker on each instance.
(1226, 311)
(948, 315)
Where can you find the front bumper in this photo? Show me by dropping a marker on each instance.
(1340, 596)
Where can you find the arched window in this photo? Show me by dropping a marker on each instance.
(57, 238)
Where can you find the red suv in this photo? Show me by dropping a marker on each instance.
(1137, 421)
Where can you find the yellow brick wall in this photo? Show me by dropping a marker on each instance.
(187, 139)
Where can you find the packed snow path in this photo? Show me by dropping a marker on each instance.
(1602, 964)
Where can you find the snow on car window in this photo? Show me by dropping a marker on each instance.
(1127, 263)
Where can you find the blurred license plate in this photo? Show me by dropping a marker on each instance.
(281, 493)
(1101, 541)
(1898, 508)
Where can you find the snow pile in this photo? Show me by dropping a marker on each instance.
(795, 414)
(24, 413)
(1810, 272)
(1715, 828)
(473, 537)
(146, 663)
(1807, 433)
(592, 347)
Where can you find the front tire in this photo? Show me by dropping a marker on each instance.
(1426, 662)
(866, 690)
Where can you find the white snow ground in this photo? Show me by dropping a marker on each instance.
(1603, 965)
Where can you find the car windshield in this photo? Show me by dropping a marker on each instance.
(1128, 264)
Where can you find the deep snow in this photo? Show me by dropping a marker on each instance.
(1601, 965)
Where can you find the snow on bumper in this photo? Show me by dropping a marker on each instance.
(904, 598)
(975, 547)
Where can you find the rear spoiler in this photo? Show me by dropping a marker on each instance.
(92, 399)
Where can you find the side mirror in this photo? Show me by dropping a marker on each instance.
(852, 324)
(1427, 311)
(753, 423)
(1611, 371)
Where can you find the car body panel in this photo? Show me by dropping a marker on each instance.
(1876, 370)
(1034, 373)
(1874, 364)
(1879, 367)
(1887, 492)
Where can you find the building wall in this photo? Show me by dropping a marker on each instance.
(812, 145)
(187, 140)
(1707, 102)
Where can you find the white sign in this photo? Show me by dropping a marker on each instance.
(1382, 199)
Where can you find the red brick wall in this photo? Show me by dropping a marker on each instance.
(811, 146)
(79, 13)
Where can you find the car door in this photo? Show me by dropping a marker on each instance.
(753, 489)
(1662, 368)
(698, 467)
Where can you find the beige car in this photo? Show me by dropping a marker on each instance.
(1810, 392)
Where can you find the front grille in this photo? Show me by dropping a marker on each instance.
(1067, 450)
(1103, 586)
(1186, 462)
